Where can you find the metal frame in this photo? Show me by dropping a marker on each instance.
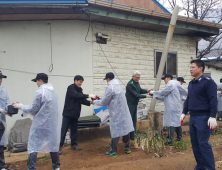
(172, 52)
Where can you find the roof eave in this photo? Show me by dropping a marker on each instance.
(138, 10)
(9, 2)
(214, 66)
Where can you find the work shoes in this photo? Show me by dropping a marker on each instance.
(60, 150)
(57, 169)
(179, 139)
(213, 132)
(75, 147)
(6, 169)
(111, 154)
(168, 143)
(127, 150)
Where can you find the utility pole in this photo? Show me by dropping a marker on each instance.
(165, 53)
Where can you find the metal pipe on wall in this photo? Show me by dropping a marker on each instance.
(165, 53)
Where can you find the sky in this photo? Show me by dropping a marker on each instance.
(202, 43)
(166, 4)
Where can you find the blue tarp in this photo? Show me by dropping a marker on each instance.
(100, 109)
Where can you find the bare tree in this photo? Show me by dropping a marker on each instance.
(209, 10)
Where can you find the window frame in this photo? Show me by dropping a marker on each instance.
(172, 52)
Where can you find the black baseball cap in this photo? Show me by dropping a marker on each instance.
(109, 75)
(167, 75)
(181, 79)
(41, 76)
(2, 76)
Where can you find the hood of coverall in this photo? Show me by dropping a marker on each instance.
(113, 82)
(47, 86)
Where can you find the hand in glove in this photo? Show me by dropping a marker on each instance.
(150, 92)
(182, 117)
(92, 102)
(3, 111)
(212, 122)
(17, 105)
(93, 96)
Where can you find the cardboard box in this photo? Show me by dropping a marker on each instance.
(139, 114)
(140, 106)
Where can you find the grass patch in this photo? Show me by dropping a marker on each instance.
(182, 145)
(216, 141)
(44, 160)
(219, 131)
(149, 141)
(186, 123)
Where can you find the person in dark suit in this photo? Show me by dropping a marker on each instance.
(72, 109)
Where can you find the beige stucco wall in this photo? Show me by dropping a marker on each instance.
(133, 49)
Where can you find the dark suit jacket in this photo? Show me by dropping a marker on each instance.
(74, 99)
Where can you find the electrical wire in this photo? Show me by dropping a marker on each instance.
(187, 70)
(88, 33)
(90, 24)
(51, 66)
(37, 73)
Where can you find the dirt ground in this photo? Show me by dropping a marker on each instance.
(93, 157)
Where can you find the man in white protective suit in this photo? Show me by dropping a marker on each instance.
(120, 119)
(4, 102)
(172, 96)
(44, 135)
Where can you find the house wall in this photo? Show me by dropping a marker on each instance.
(133, 49)
(27, 52)
(216, 75)
(148, 4)
(27, 46)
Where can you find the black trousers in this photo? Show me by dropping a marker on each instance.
(65, 126)
(133, 112)
(115, 141)
(2, 158)
(171, 131)
(31, 163)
